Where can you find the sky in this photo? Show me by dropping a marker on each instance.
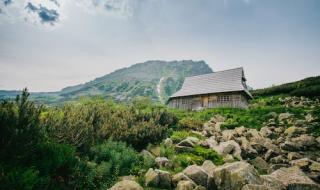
(46, 45)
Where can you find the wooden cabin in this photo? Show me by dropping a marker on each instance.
(218, 89)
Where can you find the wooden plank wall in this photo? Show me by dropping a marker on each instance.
(237, 100)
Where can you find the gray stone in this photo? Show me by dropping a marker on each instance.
(163, 162)
(235, 175)
(254, 187)
(126, 185)
(208, 166)
(260, 164)
(294, 156)
(185, 185)
(158, 178)
(294, 179)
(197, 174)
(272, 183)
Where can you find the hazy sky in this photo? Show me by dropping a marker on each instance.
(50, 44)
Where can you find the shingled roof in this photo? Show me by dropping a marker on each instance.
(216, 82)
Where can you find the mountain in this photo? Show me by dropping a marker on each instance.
(155, 79)
(308, 87)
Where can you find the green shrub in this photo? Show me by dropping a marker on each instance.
(186, 159)
(178, 136)
(208, 154)
(191, 123)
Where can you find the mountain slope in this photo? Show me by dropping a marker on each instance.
(309, 87)
(155, 79)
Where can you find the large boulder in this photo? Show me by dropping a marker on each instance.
(126, 185)
(188, 142)
(295, 131)
(208, 166)
(284, 116)
(228, 134)
(158, 178)
(272, 183)
(294, 179)
(199, 175)
(305, 141)
(247, 150)
(229, 147)
(179, 177)
(260, 164)
(185, 185)
(233, 176)
(254, 187)
(163, 162)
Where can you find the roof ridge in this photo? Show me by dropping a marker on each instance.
(216, 72)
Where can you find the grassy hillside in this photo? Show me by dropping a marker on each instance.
(155, 79)
(308, 87)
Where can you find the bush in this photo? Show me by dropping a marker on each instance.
(208, 154)
(186, 159)
(178, 136)
(191, 123)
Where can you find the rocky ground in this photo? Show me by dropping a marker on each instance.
(281, 155)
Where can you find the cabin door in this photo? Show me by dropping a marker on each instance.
(205, 101)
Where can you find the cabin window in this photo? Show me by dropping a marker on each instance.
(184, 101)
(223, 98)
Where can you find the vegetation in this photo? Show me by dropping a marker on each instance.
(89, 143)
(308, 87)
(70, 147)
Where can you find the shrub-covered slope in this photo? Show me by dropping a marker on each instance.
(308, 87)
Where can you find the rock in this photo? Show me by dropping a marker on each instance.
(147, 154)
(179, 177)
(254, 187)
(295, 131)
(240, 131)
(274, 167)
(294, 156)
(185, 185)
(260, 164)
(167, 142)
(235, 175)
(304, 141)
(229, 147)
(158, 178)
(211, 142)
(126, 185)
(267, 133)
(272, 183)
(208, 166)
(291, 146)
(278, 160)
(200, 188)
(246, 149)
(294, 179)
(302, 163)
(228, 158)
(270, 154)
(163, 162)
(188, 142)
(197, 174)
(154, 149)
(228, 135)
(284, 116)
(217, 118)
(254, 136)
(315, 167)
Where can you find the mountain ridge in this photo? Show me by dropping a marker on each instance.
(140, 79)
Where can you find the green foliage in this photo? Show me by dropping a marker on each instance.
(208, 154)
(190, 123)
(308, 87)
(181, 161)
(178, 136)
